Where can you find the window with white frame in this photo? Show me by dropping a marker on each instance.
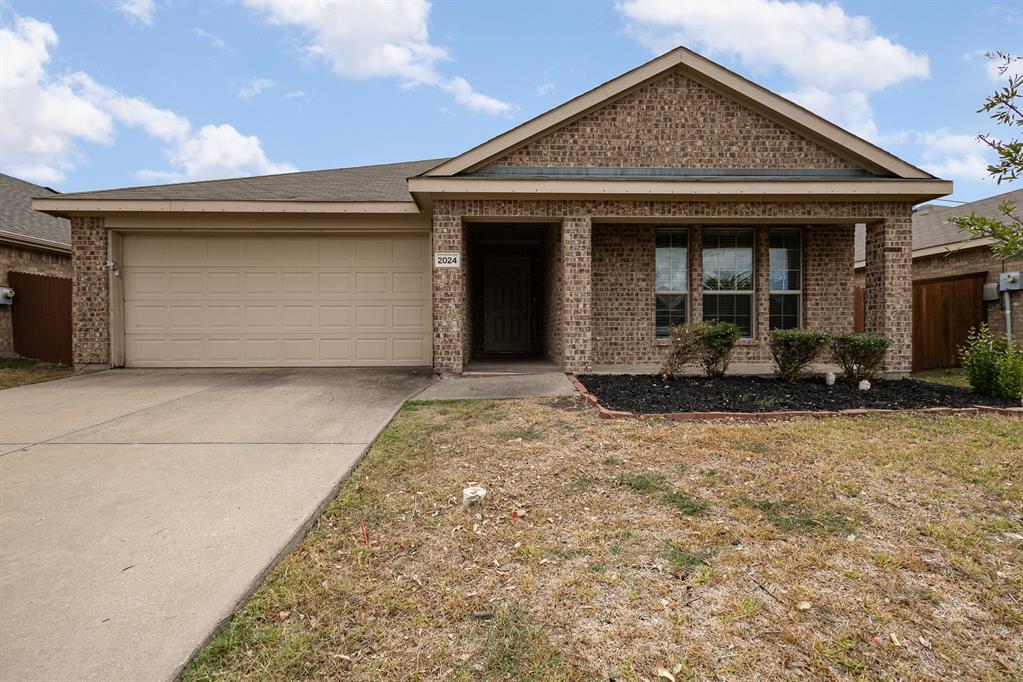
(671, 279)
(786, 262)
(728, 277)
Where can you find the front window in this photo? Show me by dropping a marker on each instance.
(728, 277)
(786, 279)
(672, 279)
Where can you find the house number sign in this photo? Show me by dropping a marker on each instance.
(447, 260)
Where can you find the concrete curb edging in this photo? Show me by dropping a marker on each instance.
(605, 413)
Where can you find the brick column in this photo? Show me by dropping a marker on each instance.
(888, 286)
(577, 293)
(449, 299)
(761, 284)
(90, 295)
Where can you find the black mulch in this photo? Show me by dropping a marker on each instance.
(649, 394)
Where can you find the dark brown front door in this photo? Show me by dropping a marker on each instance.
(506, 299)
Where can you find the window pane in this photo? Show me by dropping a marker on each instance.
(728, 260)
(734, 308)
(671, 311)
(786, 260)
(672, 271)
(784, 311)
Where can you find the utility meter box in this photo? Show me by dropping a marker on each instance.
(990, 291)
(1010, 281)
(6, 296)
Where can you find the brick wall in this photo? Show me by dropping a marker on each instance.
(623, 299)
(828, 253)
(21, 259)
(90, 297)
(672, 122)
(553, 348)
(577, 293)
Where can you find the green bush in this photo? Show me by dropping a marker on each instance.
(794, 349)
(993, 366)
(708, 343)
(860, 355)
(718, 339)
(684, 347)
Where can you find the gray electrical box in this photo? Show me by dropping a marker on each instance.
(990, 291)
(1010, 281)
(6, 296)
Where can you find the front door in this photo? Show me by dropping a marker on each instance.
(506, 301)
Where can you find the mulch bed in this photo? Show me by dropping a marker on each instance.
(650, 394)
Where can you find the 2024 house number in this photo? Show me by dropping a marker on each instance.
(447, 260)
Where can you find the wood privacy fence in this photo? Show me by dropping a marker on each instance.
(944, 311)
(41, 316)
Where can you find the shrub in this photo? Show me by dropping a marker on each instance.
(707, 343)
(684, 347)
(718, 339)
(993, 366)
(794, 349)
(860, 355)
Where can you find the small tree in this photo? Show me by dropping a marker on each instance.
(1004, 107)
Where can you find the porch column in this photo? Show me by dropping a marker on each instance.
(888, 286)
(450, 303)
(577, 293)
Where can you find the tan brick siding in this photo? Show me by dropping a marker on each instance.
(674, 122)
(828, 253)
(888, 290)
(90, 297)
(22, 259)
(623, 294)
(553, 348)
(577, 293)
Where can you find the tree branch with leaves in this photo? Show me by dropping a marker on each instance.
(1005, 108)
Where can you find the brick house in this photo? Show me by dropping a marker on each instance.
(949, 273)
(676, 192)
(30, 242)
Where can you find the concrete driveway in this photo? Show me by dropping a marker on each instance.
(138, 507)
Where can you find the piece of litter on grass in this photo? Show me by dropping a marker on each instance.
(925, 642)
(473, 495)
(895, 640)
(664, 673)
(804, 606)
(483, 615)
(851, 537)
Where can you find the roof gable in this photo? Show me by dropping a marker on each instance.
(683, 73)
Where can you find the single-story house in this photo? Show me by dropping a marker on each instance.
(950, 272)
(30, 242)
(677, 191)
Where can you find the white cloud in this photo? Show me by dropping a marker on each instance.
(141, 11)
(375, 39)
(217, 151)
(255, 87)
(953, 155)
(544, 88)
(834, 59)
(294, 94)
(214, 40)
(45, 117)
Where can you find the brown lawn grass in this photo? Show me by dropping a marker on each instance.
(880, 548)
(20, 372)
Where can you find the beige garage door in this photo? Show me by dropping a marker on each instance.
(268, 301)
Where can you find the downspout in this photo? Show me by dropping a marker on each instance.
(1008, 313)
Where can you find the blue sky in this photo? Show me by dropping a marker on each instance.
(118, 93)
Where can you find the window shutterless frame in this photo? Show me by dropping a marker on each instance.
(729, 277)
(785, 293)
(671, 279)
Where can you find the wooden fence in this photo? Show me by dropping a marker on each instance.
(41, 316)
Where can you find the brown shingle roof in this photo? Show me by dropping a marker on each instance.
(930, 226)
(384, 182)
(18, 218)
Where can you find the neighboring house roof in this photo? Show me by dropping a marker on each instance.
(931, 229)
(21, 225)
(383, 183)
(775, 106)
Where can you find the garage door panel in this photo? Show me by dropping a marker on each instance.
(310, 300)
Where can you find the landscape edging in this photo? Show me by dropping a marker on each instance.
(605, 413)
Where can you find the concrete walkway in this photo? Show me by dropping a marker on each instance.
(506, 386)
(139, 507)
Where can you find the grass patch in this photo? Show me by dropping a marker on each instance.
(790, 517)
(590, 588)
(529, 434)
(22, 372)
(950, 376)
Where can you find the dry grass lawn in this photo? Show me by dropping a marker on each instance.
(20, 372)
(880, 548)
